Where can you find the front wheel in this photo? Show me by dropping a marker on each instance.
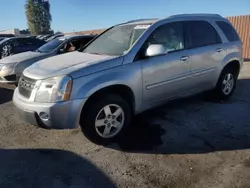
(226, 84)
(106, 119)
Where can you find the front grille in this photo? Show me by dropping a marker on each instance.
(26, 85)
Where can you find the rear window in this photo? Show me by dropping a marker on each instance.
(201, 33)
(228, 30)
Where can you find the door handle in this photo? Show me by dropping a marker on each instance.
(219, 50)
(184, 58)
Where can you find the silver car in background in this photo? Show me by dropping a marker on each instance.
(130, 68)
(12, 67)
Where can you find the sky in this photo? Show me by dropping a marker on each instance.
(79, 15)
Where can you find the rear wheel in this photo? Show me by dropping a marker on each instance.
(226, 84)
(106, 119)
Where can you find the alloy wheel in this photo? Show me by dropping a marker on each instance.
(109, 121)
(228, 84)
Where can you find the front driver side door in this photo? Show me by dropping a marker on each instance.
(168, 75)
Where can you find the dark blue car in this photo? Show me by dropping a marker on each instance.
(15, 45)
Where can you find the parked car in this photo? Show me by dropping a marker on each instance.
(45, 37)
(54, 37)
(15, 45)
(13, 66)
(130, 68)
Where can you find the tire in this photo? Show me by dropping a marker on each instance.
(95, 111)
(219, 92)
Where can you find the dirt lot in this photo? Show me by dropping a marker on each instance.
(188, 143)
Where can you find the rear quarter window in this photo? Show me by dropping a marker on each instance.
(228, 30)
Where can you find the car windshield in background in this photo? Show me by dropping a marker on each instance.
(51, 46)
(117, 40)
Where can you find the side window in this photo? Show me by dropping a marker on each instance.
(84, 41)
(76, 43)
(201, 33)
(169, 35)
(21, 42)
(228, 30)
(69, 46)
(29, 41)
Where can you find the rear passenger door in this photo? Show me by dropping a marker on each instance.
(207, 53)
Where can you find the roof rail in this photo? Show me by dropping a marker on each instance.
(196, 15)
(141, 20)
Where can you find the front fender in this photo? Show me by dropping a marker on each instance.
(128, 75)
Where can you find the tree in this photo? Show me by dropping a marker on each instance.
(38, 16)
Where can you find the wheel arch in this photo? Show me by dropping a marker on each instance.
(122, 90)
(235, 64)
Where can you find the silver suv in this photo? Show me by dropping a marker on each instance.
(130, 68)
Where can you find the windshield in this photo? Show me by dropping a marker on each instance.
(51, 46)
(117, 40)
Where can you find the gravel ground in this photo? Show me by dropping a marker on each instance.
(187, 143)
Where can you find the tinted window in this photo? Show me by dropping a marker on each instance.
(228, 30)
(29, 41)
(21, 42)
(201, 33)
(169, 35)
(38, 42)
(84, 41)
(51, 46)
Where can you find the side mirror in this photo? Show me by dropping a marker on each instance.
(155, 50)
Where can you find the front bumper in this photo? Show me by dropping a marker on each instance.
(62, 115)
(8, 76)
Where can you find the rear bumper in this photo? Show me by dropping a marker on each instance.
(61, 115)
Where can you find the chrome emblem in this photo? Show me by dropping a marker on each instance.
(27, 85)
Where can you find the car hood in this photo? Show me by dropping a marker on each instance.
(21, 57)
(74, 64)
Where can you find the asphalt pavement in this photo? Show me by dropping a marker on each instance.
(192, 142)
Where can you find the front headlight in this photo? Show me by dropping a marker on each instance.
(6, 66)
(54, 89)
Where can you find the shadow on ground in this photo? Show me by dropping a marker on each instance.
(5, 95)
(48, 168)
(193, 125)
